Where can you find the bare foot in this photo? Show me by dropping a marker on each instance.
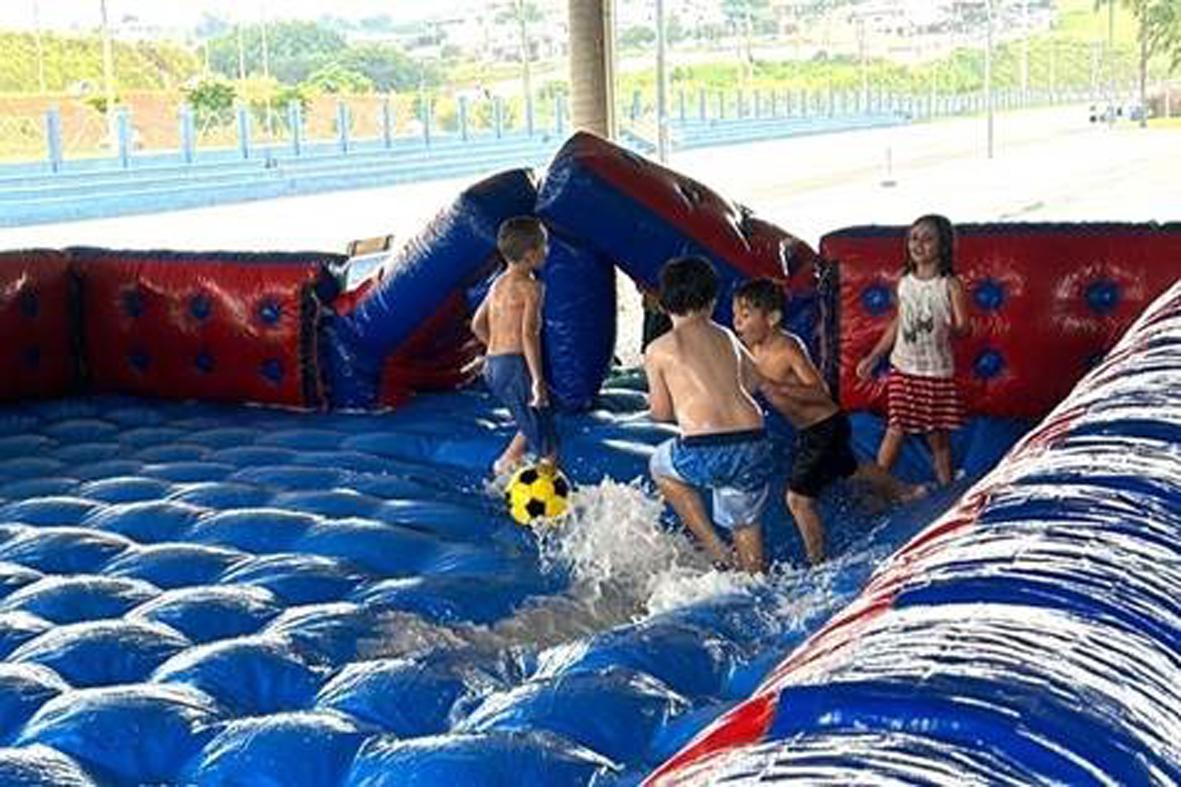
(503, 466)
(914, 492)
(720, 556)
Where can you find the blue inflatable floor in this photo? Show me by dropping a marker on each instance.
(232, 594)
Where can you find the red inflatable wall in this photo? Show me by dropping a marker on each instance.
(725, 229)
(37, 323)
(1046, 301)
(209, 326)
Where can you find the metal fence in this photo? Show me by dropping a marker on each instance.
(148, 131)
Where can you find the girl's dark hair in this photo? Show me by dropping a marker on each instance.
(946, 234)
(687, 284)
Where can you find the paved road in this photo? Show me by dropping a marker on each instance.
(1049, 165)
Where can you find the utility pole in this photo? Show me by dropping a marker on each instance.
(988, 76)
(108, 73)
(241, 53)
(526, 77)
(864, 68)
(40, 46)
(1024, 51)
(1111, 55)
(661, 87)
(266, 73)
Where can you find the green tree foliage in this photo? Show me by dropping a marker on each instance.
(637, 37)
(390, 68)
(211, 98)
(212, 26)
(335, 78)
(1159, 23)
(75, 62)
(294, 49)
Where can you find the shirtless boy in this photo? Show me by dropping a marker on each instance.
(700, 377)
(794, 387)
(508, 322)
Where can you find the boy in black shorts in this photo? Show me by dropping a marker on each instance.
(823, 453)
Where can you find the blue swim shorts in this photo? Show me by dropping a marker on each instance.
(735, 466)
(508, 378)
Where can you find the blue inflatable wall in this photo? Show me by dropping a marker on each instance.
(450, 264)
(579, 331)
(452, 252)
(1032, 635)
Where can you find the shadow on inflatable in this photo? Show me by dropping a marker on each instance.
(320, 590)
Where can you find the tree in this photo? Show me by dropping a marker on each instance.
(336, 78)
(745, 16)
(212, 26)
(637, 37)
(1158, 33)
(522, 13)
(211, 98)
(295, 50)
(389, 67)
(674, 29)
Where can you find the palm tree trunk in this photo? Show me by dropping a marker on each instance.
(592, 94)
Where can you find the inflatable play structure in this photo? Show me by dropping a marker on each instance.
(244, 534)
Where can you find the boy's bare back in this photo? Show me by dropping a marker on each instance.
(707, 374)
(511, 299)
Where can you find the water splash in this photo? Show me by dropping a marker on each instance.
(623, 562)
(623, 566)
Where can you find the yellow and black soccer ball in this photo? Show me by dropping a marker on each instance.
(537, 493)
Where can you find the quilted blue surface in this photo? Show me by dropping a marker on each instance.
(191, 592)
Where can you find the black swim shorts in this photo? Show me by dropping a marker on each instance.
(823, 455)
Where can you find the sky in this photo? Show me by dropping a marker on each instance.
(71, 14)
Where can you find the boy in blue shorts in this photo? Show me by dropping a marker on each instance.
(701, 377)
(508, 323)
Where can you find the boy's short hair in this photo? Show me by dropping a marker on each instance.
(687, 284)
(763, 294)
(519, 235)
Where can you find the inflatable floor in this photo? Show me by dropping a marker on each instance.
(336, 599)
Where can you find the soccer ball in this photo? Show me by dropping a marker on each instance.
(537, 492)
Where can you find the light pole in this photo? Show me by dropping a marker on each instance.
(521, 8)
(864, 70)
(1111, 56)
(266, 74)
(988, 75)
(108, 72)
(661, 92)
(40, 46)
(1024, 51)
(241, 55)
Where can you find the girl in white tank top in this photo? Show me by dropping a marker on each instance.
(922, 396)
